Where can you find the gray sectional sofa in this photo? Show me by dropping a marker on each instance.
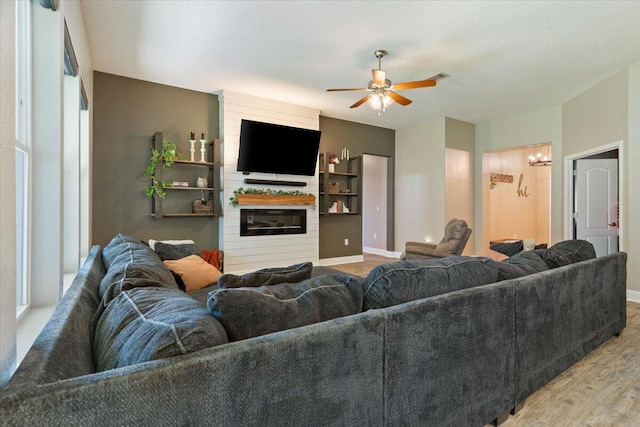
(460, 341)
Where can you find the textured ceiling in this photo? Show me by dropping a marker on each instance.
(503, 57)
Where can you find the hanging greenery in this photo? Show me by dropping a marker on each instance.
(166, 158)
(266, 191)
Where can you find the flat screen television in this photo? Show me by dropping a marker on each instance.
(271, 148)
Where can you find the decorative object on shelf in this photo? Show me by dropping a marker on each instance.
(334, 187)
(344, 154)
(266, 196)
(333, 160)
(204, 208)
(334, 207)
(180, 183)
(203, 150)
(202, 182)
(192, 148)
(166, 157)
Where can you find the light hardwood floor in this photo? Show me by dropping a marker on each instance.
(600, 390)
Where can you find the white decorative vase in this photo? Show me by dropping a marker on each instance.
(202, 182)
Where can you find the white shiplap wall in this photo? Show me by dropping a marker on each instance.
(243, 254)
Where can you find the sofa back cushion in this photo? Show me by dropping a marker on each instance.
(520, 265)
(268, 276)
(402, 281)
(145, 324)
(250, 312)
(132, 264)
(567, 252)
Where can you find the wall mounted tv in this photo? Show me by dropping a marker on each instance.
(271, 148)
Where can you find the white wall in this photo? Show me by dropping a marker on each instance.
(248, 253)
(529, 128)
(7, 191)
(420, 183)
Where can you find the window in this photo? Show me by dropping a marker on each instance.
(23, 154)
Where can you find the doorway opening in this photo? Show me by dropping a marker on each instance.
(517, 195)
(594, 206)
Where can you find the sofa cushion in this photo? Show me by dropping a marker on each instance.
(152, 242)
(250, 312)
(134, 265)
(521, 264)
(268, 276)
(171, 251)
(567, 252)
(398, 282)
(115, 246)
(146, 324)
(508, 248)
(193, 272)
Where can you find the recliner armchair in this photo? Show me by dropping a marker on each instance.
(456, 235)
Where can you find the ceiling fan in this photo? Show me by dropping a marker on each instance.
(383, 92)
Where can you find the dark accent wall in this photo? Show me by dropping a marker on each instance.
(126, 114)
(359, 139)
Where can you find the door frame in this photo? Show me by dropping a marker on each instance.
(569, 191)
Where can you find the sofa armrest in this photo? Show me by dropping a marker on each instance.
(420, 245)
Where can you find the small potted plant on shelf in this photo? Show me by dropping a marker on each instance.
(166, 157)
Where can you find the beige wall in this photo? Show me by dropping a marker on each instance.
(529, 128)
(7, 192)
(459, 174)
(602, 115)
(631, 186)
(420, 187)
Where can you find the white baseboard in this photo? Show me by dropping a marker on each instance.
(633, 296)
(382, 252)
(341, 260)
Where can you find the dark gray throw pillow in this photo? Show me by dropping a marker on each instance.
(568, 252)
(251, 312)
(170, 252)
(508, 248)
(135, 265)
(402, 281)
(267, 276)
(520, 265)
(146, 324)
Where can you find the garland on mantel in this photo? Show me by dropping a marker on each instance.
(233, 200)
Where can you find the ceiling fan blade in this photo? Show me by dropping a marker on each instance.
(346, 89)
(379, 77)
(415, 85)
(399, 98)
(361, 101)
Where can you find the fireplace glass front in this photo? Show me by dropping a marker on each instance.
(259, 222)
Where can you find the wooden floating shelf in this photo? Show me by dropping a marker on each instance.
(189, 162)
(270, 199)
(189, 188)
(186, 214)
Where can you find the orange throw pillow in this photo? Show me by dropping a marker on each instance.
(194, 271)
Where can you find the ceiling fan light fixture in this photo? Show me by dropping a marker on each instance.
(379, 101)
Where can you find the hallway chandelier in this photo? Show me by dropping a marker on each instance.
(539, 159)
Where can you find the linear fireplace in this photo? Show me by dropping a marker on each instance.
(259, 222)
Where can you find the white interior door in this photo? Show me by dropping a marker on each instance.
(596, 212)
(374, 204)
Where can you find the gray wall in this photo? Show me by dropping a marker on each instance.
(127, 112)
(359, 139)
